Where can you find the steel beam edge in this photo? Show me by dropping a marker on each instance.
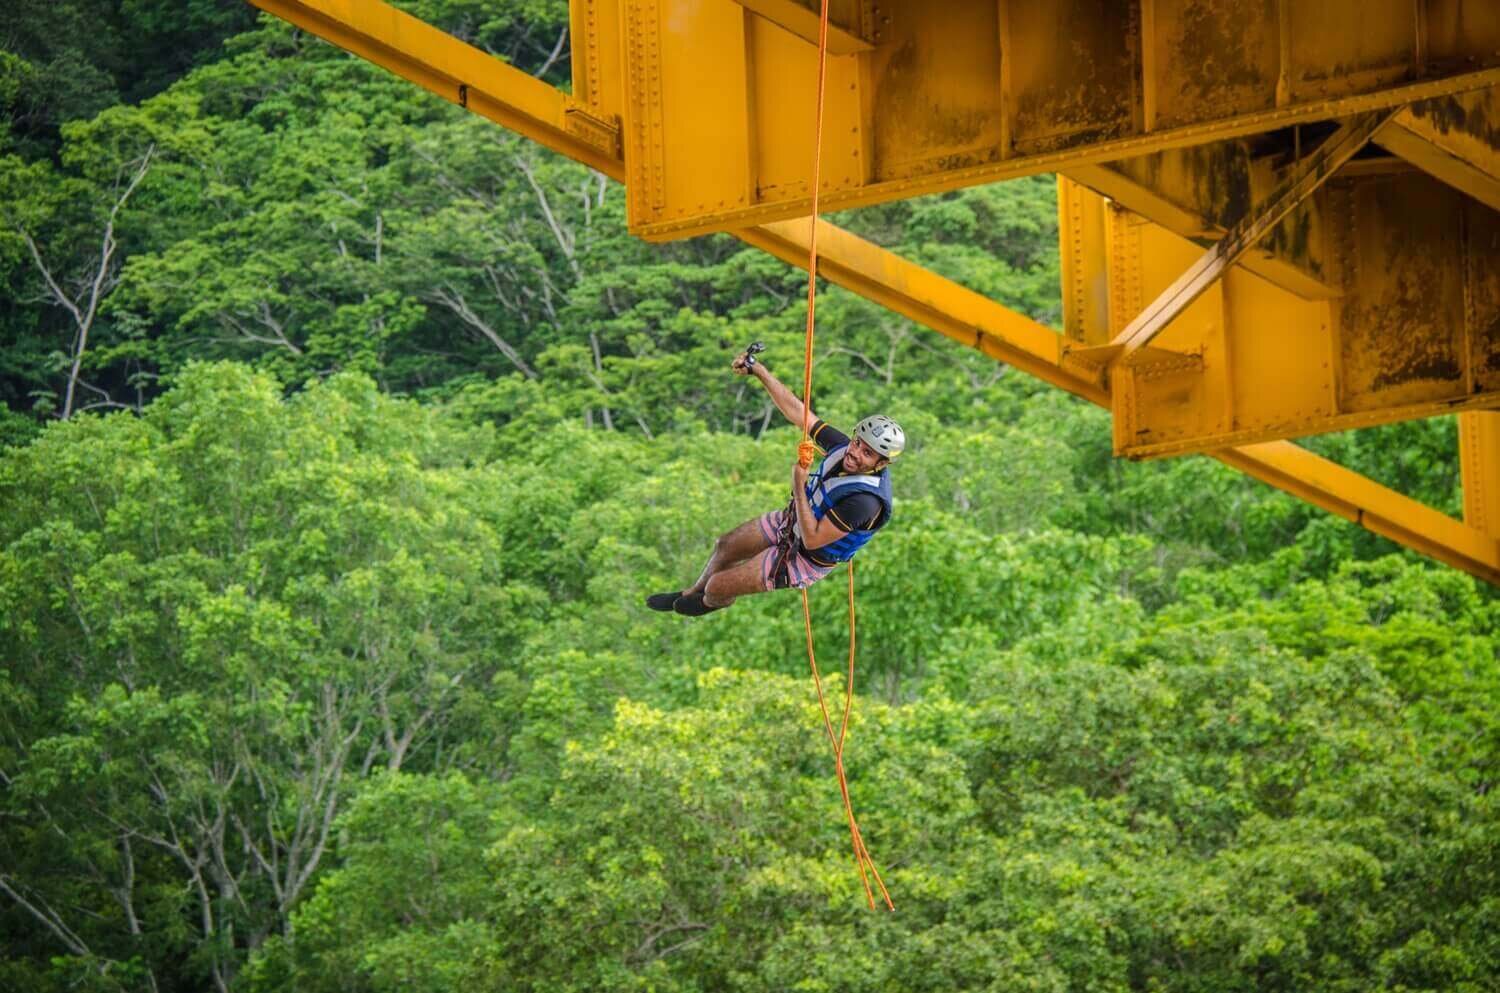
(1479, 461)
(454, 70)
(1353, 421)
(1125, 191)
(886, 278)
(843, 39)
(1377, 508)
(1442, 156)
(1067, 159)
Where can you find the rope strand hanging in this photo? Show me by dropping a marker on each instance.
(805, 453)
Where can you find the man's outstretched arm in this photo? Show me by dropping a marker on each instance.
(785, 400)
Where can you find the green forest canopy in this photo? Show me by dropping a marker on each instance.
(324, 661)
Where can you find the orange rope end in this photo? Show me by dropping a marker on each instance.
(806, 452)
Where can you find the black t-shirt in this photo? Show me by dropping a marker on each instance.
(857, 511)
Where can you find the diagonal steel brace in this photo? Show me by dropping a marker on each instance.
(1310, 174)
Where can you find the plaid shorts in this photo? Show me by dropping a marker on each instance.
(801, 571)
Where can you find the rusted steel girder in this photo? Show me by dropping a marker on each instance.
(1309, 174)
(1200, 193)
(970, 91)
(1413, 332)
(1455, 139)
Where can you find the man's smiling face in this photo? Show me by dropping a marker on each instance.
(861, 458)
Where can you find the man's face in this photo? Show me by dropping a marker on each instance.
(861, 458)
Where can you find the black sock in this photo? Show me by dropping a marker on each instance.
(662, 601)
(693, 606)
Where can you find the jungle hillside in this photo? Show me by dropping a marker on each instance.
(342, 434)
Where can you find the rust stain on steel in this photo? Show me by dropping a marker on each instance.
(1487, 339)
(1407, 340)
(1215, 57)
(939, 105)
(1402, 318)
(1483, 273)
(1225, 180)
(1212, 47)
(1086, 96)
(1292, 238)
(1212, 181)
(1469, 114)
(1490, 334)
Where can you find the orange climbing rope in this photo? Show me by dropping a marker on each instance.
(805, 452)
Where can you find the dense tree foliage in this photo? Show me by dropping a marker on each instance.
(343, 690)
(346, 432)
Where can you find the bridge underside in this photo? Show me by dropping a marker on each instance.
(1277, 218)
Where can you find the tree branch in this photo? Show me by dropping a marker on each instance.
(564, 242)
(98, 290)
(48, 917)
(651, 940)
(230, 321)
(454, 301)
(62, 299)
(562, 37)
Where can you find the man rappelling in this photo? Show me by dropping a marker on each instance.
(833, 512)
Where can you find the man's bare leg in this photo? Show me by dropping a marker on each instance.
(736, 581)
(744, 542)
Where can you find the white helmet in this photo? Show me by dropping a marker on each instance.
(882, 434)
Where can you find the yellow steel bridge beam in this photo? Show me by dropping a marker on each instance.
(1365, 502)
(1479, 457)
(1170, 201)
(375, 31)
(1455, 139)
(685, 221)
(847, 34)
(886, 278)
(1310, 174)
(973, 91)
(1412, 334)
(1199, 193)
(460, 73)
